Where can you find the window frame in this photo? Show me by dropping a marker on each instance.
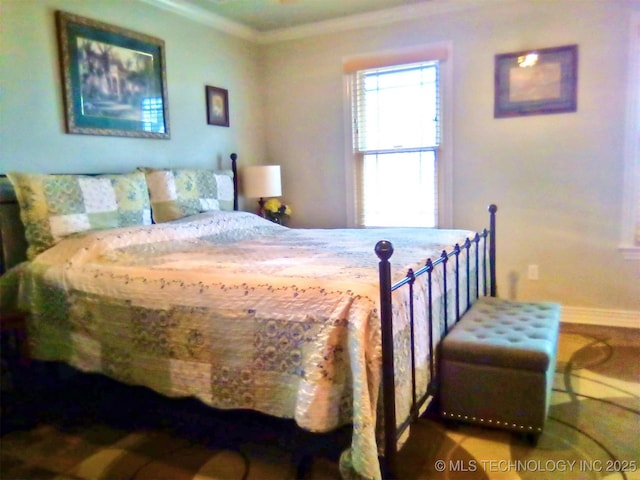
(629, 248)
(442, 53)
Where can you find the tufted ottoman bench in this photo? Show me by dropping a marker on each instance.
(497, 365)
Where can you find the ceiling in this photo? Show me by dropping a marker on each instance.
(267, 21)
(269, 15)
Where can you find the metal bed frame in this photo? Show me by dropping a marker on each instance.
(483, 244)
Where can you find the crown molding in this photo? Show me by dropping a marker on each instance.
(197, 14)
(372, 19)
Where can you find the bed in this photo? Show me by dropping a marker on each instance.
(241, 313)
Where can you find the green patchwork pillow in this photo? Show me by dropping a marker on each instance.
(55, 206)
(177, 193)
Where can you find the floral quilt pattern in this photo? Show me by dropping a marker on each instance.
(238, 312)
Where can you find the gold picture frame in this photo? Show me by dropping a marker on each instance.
(113, 79)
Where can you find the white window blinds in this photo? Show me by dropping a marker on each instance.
(396, 108)
(396, 134)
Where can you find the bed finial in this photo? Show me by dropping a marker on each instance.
(384, 249)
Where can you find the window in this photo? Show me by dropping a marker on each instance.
(399, 163)
(396, 137)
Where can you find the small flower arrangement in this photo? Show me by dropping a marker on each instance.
(276, 211)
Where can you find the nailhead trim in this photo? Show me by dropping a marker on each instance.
(491, 421)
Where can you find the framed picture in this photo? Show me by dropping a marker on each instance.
(217, 106)
(113, 79)
(536, 82)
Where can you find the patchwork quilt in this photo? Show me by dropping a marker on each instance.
(239, 312)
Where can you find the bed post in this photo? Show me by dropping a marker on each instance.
(234, 168)
(492, 248)
(384, 250)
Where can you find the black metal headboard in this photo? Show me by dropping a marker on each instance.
(13, 244)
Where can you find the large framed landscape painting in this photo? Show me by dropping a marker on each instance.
(113, 79)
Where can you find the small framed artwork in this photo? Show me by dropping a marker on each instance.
(217, 106)
(113, 79)
(536, 82)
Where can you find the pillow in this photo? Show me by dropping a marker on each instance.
(180, 192)
(55, 206)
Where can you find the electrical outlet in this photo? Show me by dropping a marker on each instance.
(533, 273)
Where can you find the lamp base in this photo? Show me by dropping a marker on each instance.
(261, 210)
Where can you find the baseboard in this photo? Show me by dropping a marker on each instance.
(601, 316)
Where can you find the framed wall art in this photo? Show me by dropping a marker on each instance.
(217, 106)
(536, 82)
(113, 79)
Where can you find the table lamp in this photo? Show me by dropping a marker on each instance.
(261, 181)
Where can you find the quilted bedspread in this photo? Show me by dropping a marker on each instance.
(238, 312)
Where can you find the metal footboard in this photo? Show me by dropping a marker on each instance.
(482, 251)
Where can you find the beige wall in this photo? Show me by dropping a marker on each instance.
(557, 179)
(32, 133)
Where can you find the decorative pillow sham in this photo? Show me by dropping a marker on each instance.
(180, 192)
(55, 206)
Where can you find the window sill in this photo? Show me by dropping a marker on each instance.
(630, 252)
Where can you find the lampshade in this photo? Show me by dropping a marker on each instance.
(261, 181)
